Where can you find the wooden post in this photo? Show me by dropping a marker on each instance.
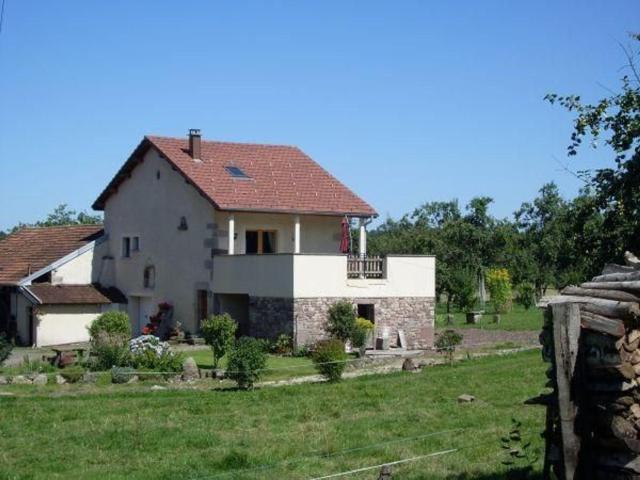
(566, 333)
(385, 473)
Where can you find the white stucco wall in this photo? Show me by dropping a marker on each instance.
(62, 324)
(318, 234)
(78, 271)
(326, 276)
(313, 276)
(258, 275)
(151, 208)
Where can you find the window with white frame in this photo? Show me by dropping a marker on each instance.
(135, 244)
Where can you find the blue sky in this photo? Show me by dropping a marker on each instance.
(406, 102)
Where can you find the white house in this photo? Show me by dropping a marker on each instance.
(253, 230)
(49, 284)
(194, 227)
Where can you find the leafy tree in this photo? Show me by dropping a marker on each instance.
(616, 201)
(61, 215)
(247, 361)
(219, 333)
(499, 284)
(447, 342)
(341, 321)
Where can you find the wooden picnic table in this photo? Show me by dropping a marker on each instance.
(77, 353)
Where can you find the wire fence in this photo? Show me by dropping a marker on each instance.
(365, 362)
(325, 455)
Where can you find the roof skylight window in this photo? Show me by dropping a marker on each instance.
(236, 172)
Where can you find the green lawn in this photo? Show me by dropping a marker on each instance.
(517, 319)
(293, 432)
(284, 367)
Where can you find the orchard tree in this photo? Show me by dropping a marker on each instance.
(615, 120)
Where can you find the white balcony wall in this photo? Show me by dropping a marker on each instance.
(326, 276)
(309, 276)
(256, 275)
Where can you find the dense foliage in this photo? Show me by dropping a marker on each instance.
(330, 358)
(5, 348)
(342, 320)
(110, 334)
(247, 360)
(61, 215)
(219, 332)
(499, 286)
(149, 352)
(362, 332)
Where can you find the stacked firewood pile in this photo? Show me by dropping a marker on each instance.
(592, 338)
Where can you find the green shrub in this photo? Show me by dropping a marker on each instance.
(110, 334)
(247, 360)
(219, 333)
(361, 331)
(447, 342)
(73, 374)
(341, 321)
(302, 351)
(30, 365)
(283, 344)
(329, 359)
(499, 286)
(112, 322)
(5, 348)
(148, 352)
(122, 374)
(526, 295)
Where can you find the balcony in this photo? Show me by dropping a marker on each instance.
(317, 275)
(367, 267)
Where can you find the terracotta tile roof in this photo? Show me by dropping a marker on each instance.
(283, 178)
(31, 249)
(76, 294)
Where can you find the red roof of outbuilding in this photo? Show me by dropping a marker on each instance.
(33, 248)
(282, 178)
(76, 294)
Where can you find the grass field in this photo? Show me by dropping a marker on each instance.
(517, 319)
(278, 367)
(293, 432)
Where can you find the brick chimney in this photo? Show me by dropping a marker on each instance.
(194, 143)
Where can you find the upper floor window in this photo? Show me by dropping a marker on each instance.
(129, 245)
(126, 247)
(260, 241)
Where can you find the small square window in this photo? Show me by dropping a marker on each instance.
(236, 172)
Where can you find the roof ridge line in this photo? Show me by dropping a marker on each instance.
(226, 142)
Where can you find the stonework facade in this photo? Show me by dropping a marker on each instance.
(270, 317)
(305, 318)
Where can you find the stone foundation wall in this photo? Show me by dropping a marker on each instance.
(414, 315)
(270, 317)
(305, 318)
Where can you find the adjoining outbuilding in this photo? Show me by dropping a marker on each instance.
(50, 288)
